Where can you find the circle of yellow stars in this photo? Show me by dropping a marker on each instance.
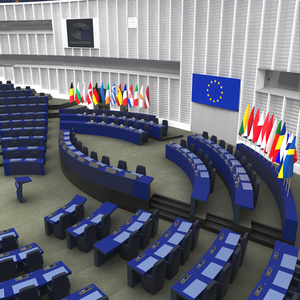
(213, 82)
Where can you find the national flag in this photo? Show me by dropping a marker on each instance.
(287, 167)
(282, 148)
(113, 95)
(254, 125)
(102, 93)
(83, 94)
(95, 95)
(279, 142)
(244, 121)
(216, 91)
(119, 96)
(147, 99)
(136, 96)
(77, 95)
(259, 126)
(271, 137)
(277, 134)
(263, 131)
(267, 134)
(249, 123)
(71, 99)
(107, 94)
(125, 99)
(130, 97)
(141, 102)
(90, 94)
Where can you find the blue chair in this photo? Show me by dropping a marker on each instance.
(94, 155)
(206, 160)
(34, 261)
(200, 154)
(244, 244)
(223, 280)
(230, 148)
(122, 165)
(154, 222)
(237, 154)
(9, 243)
(256, 191)
(183, 143)
(141, 169)
(145, 234)
(146, 128)
(192, 148)
(154, 282)
(172, 262)
(253, 178)
(243, 161)
(235, 263)
(146, 118)
(210, 292)
(130, 249)
(78, 213)
(185, 247)
(79, 146)
(59, 286)
(85, 150)
(210, 167)
(103, 228)
(155, 120)
(212, 180)
(165, 123)
(195, 234)
(105, 160)
(59, 228)
(8, 269)
(29, 293)
(74, 142)
(205, 134)
(86, 241)
(249, 169)
(214, 139)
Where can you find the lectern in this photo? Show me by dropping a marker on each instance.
(19, 185)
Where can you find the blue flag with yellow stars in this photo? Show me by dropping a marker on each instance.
(216, 91)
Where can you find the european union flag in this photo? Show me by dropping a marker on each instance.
(216, 91)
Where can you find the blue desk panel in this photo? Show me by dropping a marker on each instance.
(143, 263)
(23, 100)
(23, 123)
(194, 169)
(109, 246)
(6, 232)
(6, 87)
(16, 93)
(240, 189)
(67, 208)
(278, 273)
(23, 116)
(90, 292)
(26, 152)
(39, 107)
(195, 281)
(39, 278)
(23, 141)
(286, 204)
(19, 131)
(22, 166)
(95, 218)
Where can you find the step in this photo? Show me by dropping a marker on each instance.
(170, 201)
(171, 210)
(262, 239)
(219, 220)
(266, 230)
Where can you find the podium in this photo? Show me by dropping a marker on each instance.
(19, 185)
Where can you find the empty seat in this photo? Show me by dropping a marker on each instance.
(237, 155)
(59, 228)
(256, 191)
(9, 243)
(223, 280)
(205, 134)
(135, 125)
(183, 143)
(116, 121)
(8, 269)
(103, 227)
(126, 123)
(172, 262)
(244, 244)
(249, 169)
(74, 142)
(195, 234)
(122, 164)
(8, 82)
(192, 148)
(94, 155)
(42, 94)
(104, 120)
(214, 139)
(154, 222)
(243, 161)
(165, 130)
(105, 160)
(210, 167)
(155, 120)
(154, 282)
(206, 160)
(78, 213)
(27, 87)
(235, 263)
(34, 261)
(141, 169)
(212, 180)
(130, 249)
(210, 292)
(86, 240)
(59, 286)
(85, 150)
(79, 146)
(185, 247)
(29, 293)
(145, 234)
(253, 178)
(230, 148)
(146, 128)
(200, 154)
(146, 118)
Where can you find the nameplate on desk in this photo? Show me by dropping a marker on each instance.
(167, 234)
(111, 170)
(130, 176)
(12, 148)
(82, 159)
(275, 256)
(65, 206)
(30, 159)
(15, 159)
(185, 279)
(25, 248)
(140, 257)
(176, 223)
(138, 212)
(51, 215)
(155, 245)
(201, 263)
(269, 272)
(65, 147)
(22, 277)
(258, 291)
(50, 267)
(87, 289)
(212, 250)
(76, 225)
(89, 217)
(128, 222)
(72, 153)
(221, 237)
(4, 254)
(116, 231)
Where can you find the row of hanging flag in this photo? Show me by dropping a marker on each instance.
(272, 138)
(112, 97)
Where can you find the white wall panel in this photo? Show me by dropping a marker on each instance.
(41, 45)
(142, 29)
(13, 40)
(19, 12)
(112, 32)
(63, 87)
(103, 29)
(174, 103)
(10, 14)
(4, 46)
(132, 32)
(57, 28)
(18, 78)
(176, 17)
(28, 11)
(164, 30)
(50, 44)
(2, 13)
(38, 13)
(122, 29)
(36, 79)
(154, 95)
(23, 44)
(47, 11)
(53, 79)
(153, 28)
(26, 76)
(32, 44)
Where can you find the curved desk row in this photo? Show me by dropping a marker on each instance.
(121, 132)
(232, 171)
(16, 93)
(15, 108)
(286, 204)
(23, 141)
(25, 131)
(23, 116)
(24, 152)
(106, 248)
(22, 166)
(6, 232)
(23, 123)
(194, 169)
(128, 190)
(155, 130)
(196, 280)
(90, 292)
(278, 274)
(10, 288)
(6, 87)
(143, 263)
(23, 100)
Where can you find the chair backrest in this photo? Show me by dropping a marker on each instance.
(94, 155)
(29, 293)
(214, 139)
(89, 230)
(8, 269)
(116, 121)
(159, 268)
(34, 260)
(165, 122)
(192, 148)
(141, 169)
(65, 220)
(249, 169)
(212, 180)
(237, 154)
(74, 142)
(223, 280)
(253, 178)
(210, 167)
(200, 154)
(146, 118)
(85, 150)
(9, 243)
(296, 296)
(210, 292)
(60, 284)
(146, 128)
(205, 134)
(79, 146)
(103, 228)
(243, 161)
(256, 191)
(154, 222)
(230, 148)
(78, 214)
(185, 247)
(104, 120)
(183, 143)
(155, 120)
(122, 164)
(126, 123)
(244, 244)
(206, 160)
(235, 263)
(135, 125)
(195, 233)
(105, 160)
(145, 234)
